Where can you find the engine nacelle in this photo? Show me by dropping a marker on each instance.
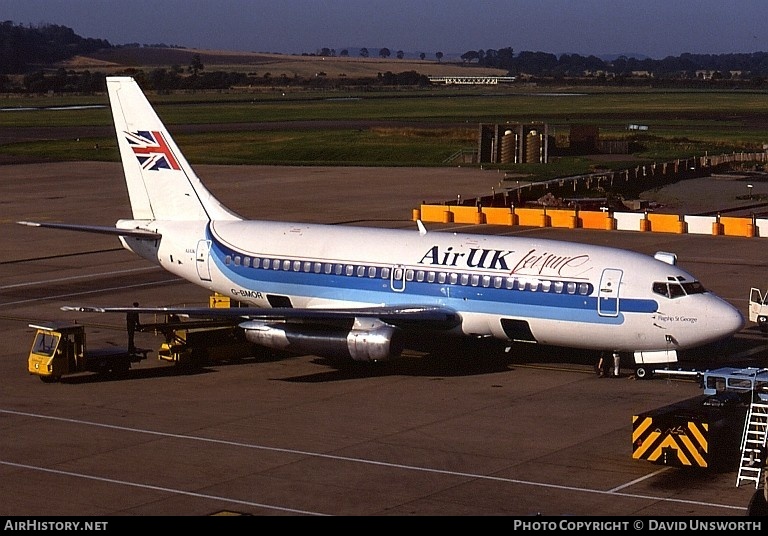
(368, 340)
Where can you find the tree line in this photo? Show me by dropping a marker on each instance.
(23, 48)
(27, 52)
(743, 65)
(164, 80)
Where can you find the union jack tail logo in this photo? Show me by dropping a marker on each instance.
(151, 150)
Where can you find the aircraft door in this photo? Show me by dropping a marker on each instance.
(397, 278)
(202, 258)
(608, 294)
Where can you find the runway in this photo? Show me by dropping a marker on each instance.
(455, 431)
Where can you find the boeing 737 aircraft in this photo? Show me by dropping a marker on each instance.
(342, 291)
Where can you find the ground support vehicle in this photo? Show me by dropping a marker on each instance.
(713, 430)
(646, 363)
(195, 342)
(758, 308)
(59, 349)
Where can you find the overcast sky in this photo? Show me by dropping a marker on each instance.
(655, 28)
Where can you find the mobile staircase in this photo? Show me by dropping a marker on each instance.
(753, 443)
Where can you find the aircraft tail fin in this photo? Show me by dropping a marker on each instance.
(161, 183)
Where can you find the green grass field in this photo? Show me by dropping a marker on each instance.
(428, 126)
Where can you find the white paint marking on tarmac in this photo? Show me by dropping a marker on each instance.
(76, 277)
(85, 293)
(365, 461)
(158, 488)
(635, 481)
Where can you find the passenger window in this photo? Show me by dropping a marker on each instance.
(286, 265)
(546, 286)
(442, 277)
(454, 278)
(497, 281)
(296, 266)
(419, 275)
(256, 262)
(328, 267)
(350, 269)
(247, 262)
(385, 273)
(372, 271)
(570, 288)
(409, 275)
(431, 277)
(510, 282)
(464, 279)
(237, 260)
(307, 266)
(360, 271)
(475, 280)
(583, 289)
(228, 260)
(318, 267)
(558, 287)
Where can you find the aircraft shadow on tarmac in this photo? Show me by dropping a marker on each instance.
(454, 357)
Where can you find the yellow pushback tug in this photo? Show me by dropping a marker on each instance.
(725, 424)
(59, 349)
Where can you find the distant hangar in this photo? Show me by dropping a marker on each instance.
(471, 80)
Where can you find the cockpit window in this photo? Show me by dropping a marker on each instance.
(694, 287)
(675, 288)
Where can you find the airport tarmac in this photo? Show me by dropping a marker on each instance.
(456, 431)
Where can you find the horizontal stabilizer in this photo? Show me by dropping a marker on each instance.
(135, 233)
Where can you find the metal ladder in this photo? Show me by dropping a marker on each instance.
(753, 444)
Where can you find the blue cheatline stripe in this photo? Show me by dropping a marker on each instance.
(476, 299)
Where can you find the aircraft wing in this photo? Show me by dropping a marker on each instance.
(136, 233)
(434, 317)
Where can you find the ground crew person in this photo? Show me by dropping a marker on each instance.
(132, 320)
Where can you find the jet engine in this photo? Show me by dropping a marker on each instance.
(369, 339)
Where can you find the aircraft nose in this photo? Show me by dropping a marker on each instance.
(717, 320)
(730, 319)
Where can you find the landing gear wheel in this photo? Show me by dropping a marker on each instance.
(642, 373)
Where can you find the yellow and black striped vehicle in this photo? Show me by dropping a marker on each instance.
(704, 431)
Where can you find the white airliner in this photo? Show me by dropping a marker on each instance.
(349, 292)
